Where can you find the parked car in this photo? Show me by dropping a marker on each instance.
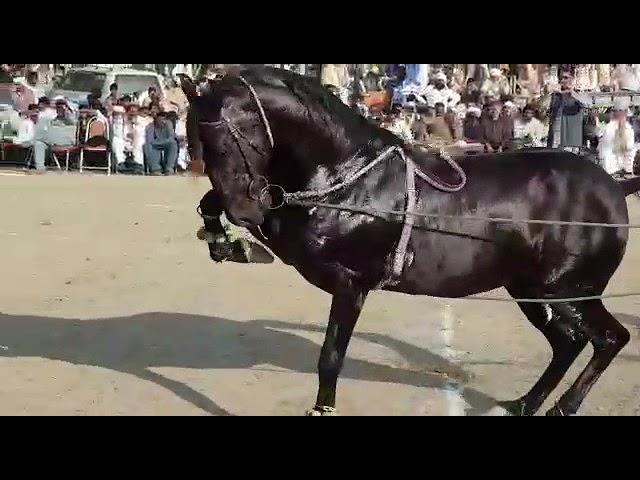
(78, 83)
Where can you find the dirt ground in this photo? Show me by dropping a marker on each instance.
(111, 306)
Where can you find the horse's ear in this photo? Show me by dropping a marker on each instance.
(188, 87)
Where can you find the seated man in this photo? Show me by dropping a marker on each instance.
(61, 130)
(528, 130)
(160, 138)
(444, 127)
(496, 134)
(127, 139)
(471, 125)
(420, 126)
(47, 112)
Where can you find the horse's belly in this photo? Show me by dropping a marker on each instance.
(453, 268)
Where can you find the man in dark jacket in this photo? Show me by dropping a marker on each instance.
(496, 133)
(566, 118)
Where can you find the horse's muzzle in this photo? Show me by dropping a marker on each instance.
(247, 221)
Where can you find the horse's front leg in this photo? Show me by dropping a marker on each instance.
(345, 310)
(221, 245)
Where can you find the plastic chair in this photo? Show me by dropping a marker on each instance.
(96, 127)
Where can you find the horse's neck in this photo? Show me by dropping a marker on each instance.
(308, 151)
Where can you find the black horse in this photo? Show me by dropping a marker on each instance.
(267, 127)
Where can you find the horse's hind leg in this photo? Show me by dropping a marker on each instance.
(607, 336)
(566, 343)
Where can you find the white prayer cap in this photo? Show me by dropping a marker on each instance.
(473, 110)
(441, 76)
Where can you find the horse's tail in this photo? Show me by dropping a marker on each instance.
(630, 185)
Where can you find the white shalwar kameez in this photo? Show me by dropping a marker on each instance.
(617, 149)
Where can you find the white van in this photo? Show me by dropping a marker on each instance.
(78, 83)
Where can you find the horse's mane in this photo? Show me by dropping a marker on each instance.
(317, 102)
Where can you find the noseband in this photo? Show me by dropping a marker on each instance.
(237, 135)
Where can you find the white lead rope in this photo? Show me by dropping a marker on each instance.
(376, 212)
(550, 300)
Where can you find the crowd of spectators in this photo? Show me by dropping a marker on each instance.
(495, 109)
(491, 108)
(145, 133)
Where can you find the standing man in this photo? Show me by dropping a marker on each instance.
(617, 149)
(118, 135)
(528, 130)
(566, 117)
(112, 99)
(496, 86)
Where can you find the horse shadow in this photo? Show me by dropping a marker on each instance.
(135, 344)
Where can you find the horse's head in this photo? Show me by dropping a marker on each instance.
(237, 144)
(314, 131)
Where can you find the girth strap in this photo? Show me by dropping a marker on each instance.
(409, 220)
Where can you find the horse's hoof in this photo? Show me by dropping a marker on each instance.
(556, 411)
(515, 408)
(321, 412)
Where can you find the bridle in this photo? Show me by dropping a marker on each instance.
(237, 135)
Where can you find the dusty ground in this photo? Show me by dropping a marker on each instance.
(110, 306)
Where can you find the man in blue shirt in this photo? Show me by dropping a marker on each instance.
(160, 138)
